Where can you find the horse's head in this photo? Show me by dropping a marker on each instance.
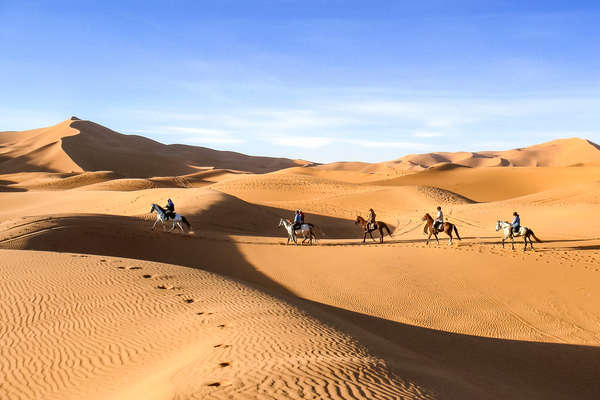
(426, 217)
(498, 225)
(281, 222)
(359, 219)
(152, 208)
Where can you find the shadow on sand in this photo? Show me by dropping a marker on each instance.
(449, 364)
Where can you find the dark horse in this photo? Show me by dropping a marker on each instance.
(447, 229)
(368, 229)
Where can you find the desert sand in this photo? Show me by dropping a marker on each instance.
(97, 305)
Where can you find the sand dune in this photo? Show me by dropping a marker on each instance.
(76, 146)
(557, 153)
(492, 184)
(120, 328)
(97, 305)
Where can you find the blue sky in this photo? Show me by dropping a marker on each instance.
(319, 80)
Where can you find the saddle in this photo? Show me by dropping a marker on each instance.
(302, 224)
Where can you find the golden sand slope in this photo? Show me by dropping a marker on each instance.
(469, 321)
(76, 146)
(88, 319)
(77, 326)
(557, 153)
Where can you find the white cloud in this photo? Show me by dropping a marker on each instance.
(428, 134)
(200, 135)
(384, 144)
(306, 142)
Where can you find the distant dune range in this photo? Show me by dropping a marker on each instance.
(96, 305)
(77, 146)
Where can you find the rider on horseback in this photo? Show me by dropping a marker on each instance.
(170, 209)
(516, 224)
(298, 220)
(438, 224)
(371, 220)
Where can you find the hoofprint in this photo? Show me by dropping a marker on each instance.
(307, 231)
(162, 217)
(523, 231)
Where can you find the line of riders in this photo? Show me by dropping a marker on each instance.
(371, 224)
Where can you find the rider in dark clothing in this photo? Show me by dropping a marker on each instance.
(170, 209)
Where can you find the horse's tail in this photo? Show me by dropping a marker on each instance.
(319, 230)
(535, 237)
(456, 232)
(384, 226)
(185, 221)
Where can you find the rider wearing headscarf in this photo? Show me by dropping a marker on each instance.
(372, 218)
(516, 224)
(170, 208)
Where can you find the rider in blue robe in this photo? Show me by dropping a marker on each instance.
(516, 224)
(170, 209)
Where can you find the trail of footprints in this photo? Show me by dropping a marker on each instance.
(254, 360)
(167, 286)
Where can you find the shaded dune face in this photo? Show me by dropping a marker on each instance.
(76, 146)
(97, 305)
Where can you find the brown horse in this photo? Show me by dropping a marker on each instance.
(447, 229)
(368, 229)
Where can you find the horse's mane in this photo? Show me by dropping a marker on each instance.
(427, 215)
(360, 218)
(159, 207)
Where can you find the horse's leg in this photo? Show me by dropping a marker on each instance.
(365, 237)
(155, 222)
(180, 227)
(512, 238)
(428, 237)
(437, 238)
(503, 239)
(371, 234)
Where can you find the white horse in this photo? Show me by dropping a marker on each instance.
(523, 231)
(307, 231)
(161, 215)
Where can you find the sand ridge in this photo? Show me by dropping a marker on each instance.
(98, 305)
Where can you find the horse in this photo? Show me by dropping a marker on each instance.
(308, 231)
(523, 231)
(368, 228)
(448, 228)
(161, 215)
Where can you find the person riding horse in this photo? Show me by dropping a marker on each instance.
(438, 224)
(516, 224)
(371, 220)
(169, 209)
(298, 220)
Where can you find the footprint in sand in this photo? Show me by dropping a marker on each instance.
(165, 287)
(224, 364)
(189, 301)
(221, 326)
(214, 384)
